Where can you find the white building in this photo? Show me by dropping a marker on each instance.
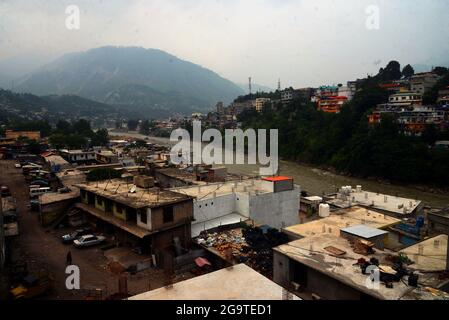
(77, 156)
(405, 99)
(423, 82)
(272, 201)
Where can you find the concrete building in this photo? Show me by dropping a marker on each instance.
(348, 90)
(341, 219)
(106, 157)
(78, 156)
(238, 282)
(56, 163)
(270, 201)
(14, 135)
(261, 102)
(174, 177)
(148, 218)
(326, 266)
(423, 82)
(391, 205)
(331, 104)
(405, 99)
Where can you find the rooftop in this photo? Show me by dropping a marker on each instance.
(253, 186)
(340, 219)
(239, 282)
(71, 177)
(52, 197)
(131, 195)
(388, 203)
(311, 252)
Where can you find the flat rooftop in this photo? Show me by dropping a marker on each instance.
(378, 201)
(253, 186)
(53, 197)
(340, 219)
(429, 254)
(131, 195)
(311, 252)
(239, 282)
(69, 178)
(178, 174)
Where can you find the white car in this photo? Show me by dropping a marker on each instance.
(18, 165)
(88, 240)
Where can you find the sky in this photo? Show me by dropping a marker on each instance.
(301, 42)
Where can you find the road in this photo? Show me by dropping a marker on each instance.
(42, 249)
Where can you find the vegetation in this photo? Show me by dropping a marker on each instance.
(347, 143)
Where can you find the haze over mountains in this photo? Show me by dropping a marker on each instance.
(148, 79)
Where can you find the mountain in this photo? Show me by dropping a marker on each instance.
(255, 88)
(138, 77)
(52, 108)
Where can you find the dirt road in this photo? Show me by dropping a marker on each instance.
(41, 248)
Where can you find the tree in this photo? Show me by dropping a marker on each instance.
(100, 138)
(64, 127)
(82, 127)
(441, 71)
(408, 71)
(103, 174)
(132, 124)
(391, 72)
(145, 127)
(33, 147)
(430, 135)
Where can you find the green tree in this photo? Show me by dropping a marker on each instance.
(132, 124)
(408, 71)
(100, 138)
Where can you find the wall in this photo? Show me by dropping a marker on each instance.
(213, 208)
(277, 210)
(50, 212)
(181, 211)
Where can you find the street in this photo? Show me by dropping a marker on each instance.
(43, 250)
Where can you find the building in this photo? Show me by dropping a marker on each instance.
(149, 218)
(348, 91)
(288, 95)
(423, 82)
(174, 177)
(14, 135)
(268, 201)
(238, 282)
(405, 99)
(56, 163)
(331, 104)
(326, 266)
(392, 205)
(78, 156)
(443, 96)
(261, 102)
(106, 157)
(341, 219)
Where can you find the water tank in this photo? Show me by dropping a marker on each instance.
(324, 210)
(359, 188)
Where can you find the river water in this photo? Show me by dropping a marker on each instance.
(316, 181)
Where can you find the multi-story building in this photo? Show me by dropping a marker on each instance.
(260, 103)
(405, 99)
(331, 104)
(146, 217)
(423, 82)
(32, 135)
(348, 91)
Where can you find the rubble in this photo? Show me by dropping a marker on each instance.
(249, 245)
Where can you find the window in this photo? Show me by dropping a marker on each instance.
(167, 214)
(118, 208)
(100, 201)
(143, 217)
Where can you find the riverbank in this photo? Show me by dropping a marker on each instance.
(317, 181)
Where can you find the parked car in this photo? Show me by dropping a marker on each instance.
(88, 240)
(40, 183)
(5, 191)
(70, 237)
(18, 165)
(31, 287)
(34, 192)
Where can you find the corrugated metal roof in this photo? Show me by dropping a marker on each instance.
(364, 231)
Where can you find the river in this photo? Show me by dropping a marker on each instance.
(316, 181)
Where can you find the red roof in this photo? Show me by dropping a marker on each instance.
(278, 178)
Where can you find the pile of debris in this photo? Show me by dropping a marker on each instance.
(252, 246)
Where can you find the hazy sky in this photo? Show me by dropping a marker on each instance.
(303, 42)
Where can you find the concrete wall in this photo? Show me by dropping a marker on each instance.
(212, 208)
(277, 210)
(181, 212)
